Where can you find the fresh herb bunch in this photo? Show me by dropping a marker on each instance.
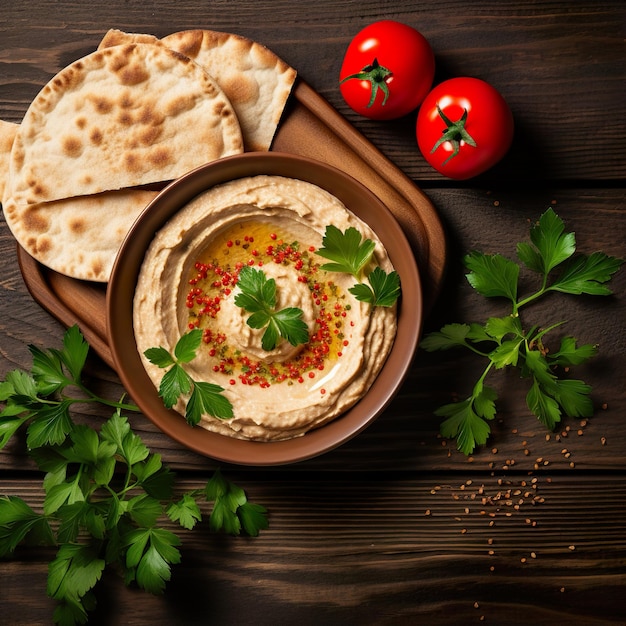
(257, 295)
(204, 398)
(106, 495)
(504, 341)
(350, 254)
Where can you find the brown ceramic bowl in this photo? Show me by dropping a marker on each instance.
(121, 290)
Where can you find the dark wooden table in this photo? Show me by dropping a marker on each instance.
(396, 526)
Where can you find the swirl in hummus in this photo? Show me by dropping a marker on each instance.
(188, 279)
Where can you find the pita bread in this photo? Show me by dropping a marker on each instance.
(256, 81)
(120, 117)
(79, 237)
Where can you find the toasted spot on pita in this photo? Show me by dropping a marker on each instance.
(149, 135)
(191, 44)
(37, 187)
(160, 156)
(18, 154)
(132, 162)
(125, 118)
(72, 146)
(77, 225)
(125, 101)
(34, 221)
(43, 244)
(81, 122)
(180, 104)
(133, 75)
(97, 268)
(101, 104)
(242, 90)
(148, 115)
(95, 136)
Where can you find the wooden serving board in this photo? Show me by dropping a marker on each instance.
(310, 127)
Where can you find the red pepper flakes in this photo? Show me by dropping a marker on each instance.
(212, 281)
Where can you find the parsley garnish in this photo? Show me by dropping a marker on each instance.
(503, 341)
(257, 295)
(350, 254)
(106, 494)
(204, 398)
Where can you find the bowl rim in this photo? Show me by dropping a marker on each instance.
(121, 287)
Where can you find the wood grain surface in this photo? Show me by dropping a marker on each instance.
(396, 526)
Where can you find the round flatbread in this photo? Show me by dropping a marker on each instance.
(120, 117)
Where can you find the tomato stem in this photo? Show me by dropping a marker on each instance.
(455, 132)
(377, 75)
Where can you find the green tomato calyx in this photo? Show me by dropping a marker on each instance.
(377, 75)
(455, 133)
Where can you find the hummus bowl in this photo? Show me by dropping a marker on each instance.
(150, 304)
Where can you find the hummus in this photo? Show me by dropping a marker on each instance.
(188, 279)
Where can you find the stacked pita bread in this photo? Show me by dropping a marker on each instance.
(129, 117)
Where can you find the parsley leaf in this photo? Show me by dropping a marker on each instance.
(384, 288)
(550, 246)
(18, 523)
(204, 398)
(106, 495)
(257, 295)
(467, 420)
(350, 254)
(71, 577)
(231, 510)
(587, 274)
(151, 552)
(504, 341)
(492, 275)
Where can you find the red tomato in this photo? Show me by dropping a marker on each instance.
(464, 127)
(387, 70)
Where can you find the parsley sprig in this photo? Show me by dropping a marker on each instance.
(504, 341)
(204, 398)
(257, 295)
(107, 497)
(349, 253)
